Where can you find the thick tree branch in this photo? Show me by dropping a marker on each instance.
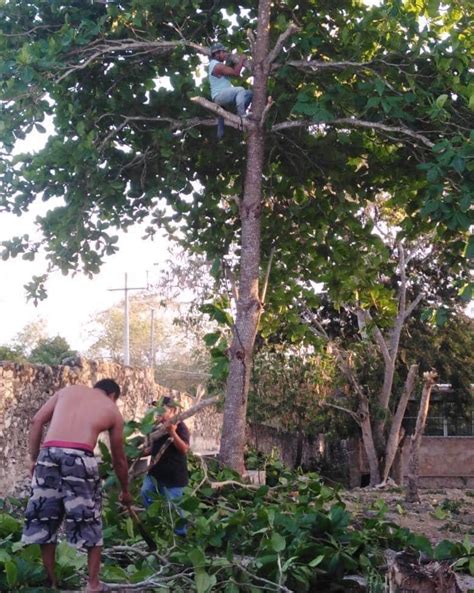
(159, 432)
(272, 56)
(126, 47)
(412, 306)
(378, 336)
(353, 415)
(174, 124)
(315, 65)
(234, 120)
(267, 276)
(394, 436)
(353, 122)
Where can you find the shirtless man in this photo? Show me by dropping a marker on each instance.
(65, 473)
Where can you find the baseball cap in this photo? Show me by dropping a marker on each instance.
(169, 402)
(215, 47)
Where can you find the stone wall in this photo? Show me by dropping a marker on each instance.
(446, 462)
(266, 438)
(24, 388)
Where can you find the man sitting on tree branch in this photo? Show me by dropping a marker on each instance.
(223, 92)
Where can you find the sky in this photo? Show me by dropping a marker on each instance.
(72, 300)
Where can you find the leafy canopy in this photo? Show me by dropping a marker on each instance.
(366, 100)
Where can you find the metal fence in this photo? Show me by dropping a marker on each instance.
(444, 426)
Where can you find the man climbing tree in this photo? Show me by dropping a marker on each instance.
(222, 90)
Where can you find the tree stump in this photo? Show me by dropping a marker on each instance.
(406, 574)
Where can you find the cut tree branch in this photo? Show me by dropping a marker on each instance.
(234, 120)
(159, 432)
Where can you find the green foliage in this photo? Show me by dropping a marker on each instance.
(290, 386)
(293, 531)
(296, 532)
(123, 148)
(11, 353)
(51, 351)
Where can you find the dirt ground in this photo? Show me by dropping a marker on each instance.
(441, 514)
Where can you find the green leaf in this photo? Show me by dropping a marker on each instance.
(197, 557)
(11, 572)
(469, 250)
(114, 573)
(444, 550)
(215, 268)
(440, 514)
(316, 561)
(129, 527)
(278, 542)
(9, 525)
(441, 100)
(204, 582)
(212, 338)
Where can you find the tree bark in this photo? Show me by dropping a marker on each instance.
(249, 307)
(405, 573)
(394, 436)
(368, 440)
(429, 379)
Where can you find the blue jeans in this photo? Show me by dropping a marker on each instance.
(151, 487)
(235, 95)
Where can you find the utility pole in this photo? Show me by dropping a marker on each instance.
(126, 321)
(152, 341)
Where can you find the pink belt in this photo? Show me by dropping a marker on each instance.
(69, 445)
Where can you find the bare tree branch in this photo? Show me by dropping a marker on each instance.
(312, 322)
(412, 306)
(394, 436)
(267, 275)
(353, 122)
(128, 48)
(315, 65)
(272, 56)
(378, 336)
(353, 415)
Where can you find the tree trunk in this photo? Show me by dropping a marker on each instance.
(405, 573)
(429, 379)
(249, 307)
(394, 436)
(299, 449)
(368, 440)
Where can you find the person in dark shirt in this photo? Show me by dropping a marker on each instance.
(168, 474)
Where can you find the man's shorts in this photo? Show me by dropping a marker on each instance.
(65, 483)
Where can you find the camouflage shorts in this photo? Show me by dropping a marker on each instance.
(65, 483)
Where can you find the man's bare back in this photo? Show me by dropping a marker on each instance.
(80, 414)
(76, 416)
